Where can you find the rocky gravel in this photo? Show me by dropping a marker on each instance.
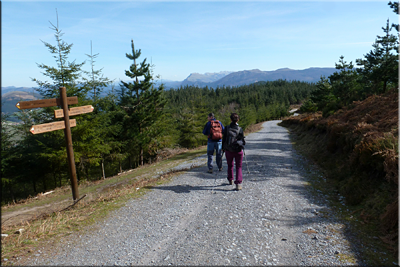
(198, 219)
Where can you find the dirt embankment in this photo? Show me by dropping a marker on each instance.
(358, 146)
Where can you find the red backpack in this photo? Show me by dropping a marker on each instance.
(215, 130)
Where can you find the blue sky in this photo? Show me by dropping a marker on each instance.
(183, 37)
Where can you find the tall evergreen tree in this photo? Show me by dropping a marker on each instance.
(91, 135)
(395, 7)
(380, 66)
(143, 104)
(95, 81)
(345, 83)
(65, 73)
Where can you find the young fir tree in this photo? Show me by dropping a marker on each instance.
(345, 83)
(380, 66)
(143, 104)
(191, 121)
(91, 135)
(95, 81)
(64, 74)
(395, 7)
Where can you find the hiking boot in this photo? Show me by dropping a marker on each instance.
(209, 171)
(230, 182)
(220, 169)
(238, 187)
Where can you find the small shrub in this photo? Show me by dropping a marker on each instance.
(309, 106)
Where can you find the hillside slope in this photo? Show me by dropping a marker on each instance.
(9, 100)
(358, 147)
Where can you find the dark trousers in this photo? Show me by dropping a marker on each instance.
(238, 157)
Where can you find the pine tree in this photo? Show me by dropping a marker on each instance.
(381, 65)
(323, 96)
(345, 82)
(143, 104)
(91, 135)
(395, 7)
(65, 74)
(95, 81)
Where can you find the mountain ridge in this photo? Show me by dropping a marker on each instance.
(237, 78)
(256, 75)
(227, 78)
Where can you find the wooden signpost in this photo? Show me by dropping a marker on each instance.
(63, 101)
(59, 113)
(49, 127)
(43, 103)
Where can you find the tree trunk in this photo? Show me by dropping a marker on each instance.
(141, 155)
(44, 183)
(55, 180)
(87, 173)
(78, 177)
(34, 186)
(102, 167)
(11, 192)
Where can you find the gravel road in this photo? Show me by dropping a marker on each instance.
(274, 220)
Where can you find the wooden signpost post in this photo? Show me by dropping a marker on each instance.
(63, 101)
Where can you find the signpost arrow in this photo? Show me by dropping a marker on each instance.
(59, 113)
(42, 103)
(52, 126)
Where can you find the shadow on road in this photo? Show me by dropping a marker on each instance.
(188, 188)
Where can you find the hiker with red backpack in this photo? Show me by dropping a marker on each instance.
(213, 129)
(233, 144)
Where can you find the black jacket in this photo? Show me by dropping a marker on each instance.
(240, 137)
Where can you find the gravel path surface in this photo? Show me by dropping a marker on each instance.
(274, 220)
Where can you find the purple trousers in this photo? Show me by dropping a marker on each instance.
(238, 157)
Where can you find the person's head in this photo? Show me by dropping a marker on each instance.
(210, 116)
(234, 117)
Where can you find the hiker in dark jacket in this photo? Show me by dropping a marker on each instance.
(232, 144)
(213, 144)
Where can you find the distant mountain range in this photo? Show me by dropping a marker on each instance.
(252, 76)
(11, 94)
(202, 80)
(229, 78)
